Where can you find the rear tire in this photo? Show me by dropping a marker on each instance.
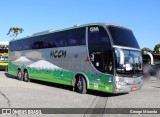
(81, 85)
(26, 76)
(19, 75)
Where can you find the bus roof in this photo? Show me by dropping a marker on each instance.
(74, 27)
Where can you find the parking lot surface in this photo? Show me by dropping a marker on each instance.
(36, 94)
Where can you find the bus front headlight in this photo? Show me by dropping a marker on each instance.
(120, 81)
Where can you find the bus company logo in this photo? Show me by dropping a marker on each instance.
(94, 29)
(58, 54)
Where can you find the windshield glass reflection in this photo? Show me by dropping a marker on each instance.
(132, 62)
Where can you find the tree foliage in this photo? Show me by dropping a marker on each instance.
(157, 49)
(14, 31)
(146, 49)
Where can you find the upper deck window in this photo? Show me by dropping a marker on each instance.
(66, 38)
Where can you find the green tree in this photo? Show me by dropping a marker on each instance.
(157, 49)
(14, 31)
(146, 49)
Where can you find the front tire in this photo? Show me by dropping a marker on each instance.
(81, 85)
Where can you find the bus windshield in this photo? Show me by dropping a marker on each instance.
(130, 64)
(123, 37)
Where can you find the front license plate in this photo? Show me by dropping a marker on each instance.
(134, 88)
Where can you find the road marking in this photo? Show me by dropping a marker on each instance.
(5, 97)
(98, 102)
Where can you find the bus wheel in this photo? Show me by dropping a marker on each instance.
(19, 75)
(81, 85)
(26, 76)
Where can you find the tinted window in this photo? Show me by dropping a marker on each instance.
(99, 47)
(76, 37)
(15, 45)
(123, 37)
(98, 38)
(40, 42)
(71, 37)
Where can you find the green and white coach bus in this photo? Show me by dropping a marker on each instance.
(100, 56)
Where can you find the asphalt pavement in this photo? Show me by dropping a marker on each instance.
(42, 95)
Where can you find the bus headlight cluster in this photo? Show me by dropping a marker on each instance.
(120, 81)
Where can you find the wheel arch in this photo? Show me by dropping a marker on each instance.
(76, 76)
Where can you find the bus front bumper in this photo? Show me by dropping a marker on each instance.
(125, 85)
(127, 88)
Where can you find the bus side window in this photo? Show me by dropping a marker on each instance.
(72, 42)
(61, 43)
(76, 37)
(83, 41)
